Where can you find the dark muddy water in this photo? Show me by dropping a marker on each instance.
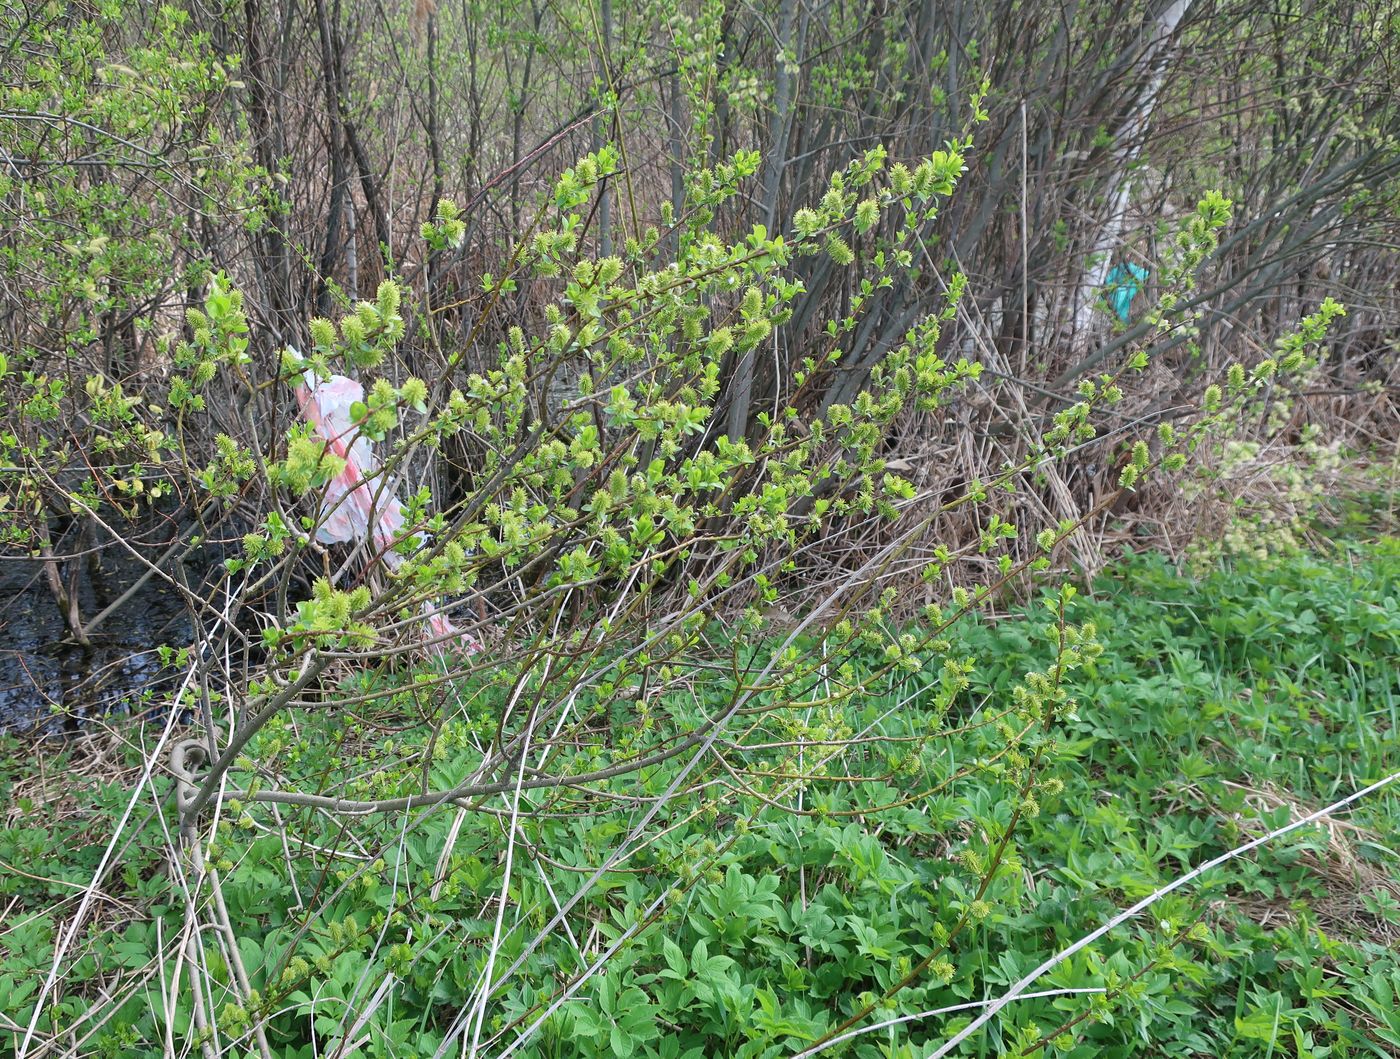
(48, 684)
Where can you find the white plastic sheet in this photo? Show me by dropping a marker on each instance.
(352, 502)
(357, 501)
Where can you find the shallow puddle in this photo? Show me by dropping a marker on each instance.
(49, 684)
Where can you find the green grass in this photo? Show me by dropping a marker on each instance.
(1220, 708)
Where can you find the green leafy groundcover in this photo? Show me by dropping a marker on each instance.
(1220, 708)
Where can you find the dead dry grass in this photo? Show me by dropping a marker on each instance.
(1346, 875)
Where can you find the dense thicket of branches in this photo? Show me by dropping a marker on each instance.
(300, 145)
(336, 127)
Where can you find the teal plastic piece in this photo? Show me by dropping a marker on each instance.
(1122, 285)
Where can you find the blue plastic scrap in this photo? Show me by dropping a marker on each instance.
(1122, 285)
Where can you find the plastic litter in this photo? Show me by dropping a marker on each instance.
(354, 501)
(1122, 285)
(351, 501)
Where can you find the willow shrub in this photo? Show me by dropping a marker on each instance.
(116, 170)
(620, 660)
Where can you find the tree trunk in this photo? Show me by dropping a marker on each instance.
(1128, 140)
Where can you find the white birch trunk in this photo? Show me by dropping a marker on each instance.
(1128, 137)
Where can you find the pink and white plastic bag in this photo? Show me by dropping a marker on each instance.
(353, 503)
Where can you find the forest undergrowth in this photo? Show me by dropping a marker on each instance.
(699, 529)
(1225, 704)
